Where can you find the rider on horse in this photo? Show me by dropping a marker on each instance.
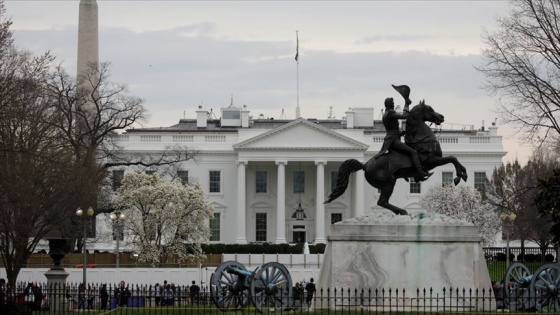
(392, 140)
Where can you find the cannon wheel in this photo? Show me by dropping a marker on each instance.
(271, 288)
(225, 289)
(517, 288)
(546, 287)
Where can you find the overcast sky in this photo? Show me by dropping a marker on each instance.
(181, 54)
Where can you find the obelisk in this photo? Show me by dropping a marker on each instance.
(88, 38)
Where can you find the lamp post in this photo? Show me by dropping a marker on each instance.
(507, 219)
(85, 216)
(118, 234)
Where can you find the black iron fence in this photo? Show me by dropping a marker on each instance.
(532, 257)
(148, 299)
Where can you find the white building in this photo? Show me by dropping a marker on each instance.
(256, 172)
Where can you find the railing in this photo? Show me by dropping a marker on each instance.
(148, 299)
(532, 257)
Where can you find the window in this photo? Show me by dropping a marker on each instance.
(215, 181)
(479, 180)
(261, 181)
(118, 176)
(215, 227)
(334, 178)
(261, 227)
(299, 182)
(415, 187)
(446, 178)
(150, 172)
(336, 217)
(183, 176)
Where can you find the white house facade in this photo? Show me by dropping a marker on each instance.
(258, 172)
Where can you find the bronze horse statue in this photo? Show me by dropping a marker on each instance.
(383, 172)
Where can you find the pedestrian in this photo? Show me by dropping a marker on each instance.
(194, 292)
(90, 297)
(298, 294)
(310, 288)
(37, 295)
(122, 293)
(82, 296)
(104, 296)
(3, 296)
(157, 294)
(168, 295)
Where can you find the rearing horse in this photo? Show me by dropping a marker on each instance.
(383, 172)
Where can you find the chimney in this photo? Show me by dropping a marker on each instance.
(244, 117)
(201, 117)
(349, 118)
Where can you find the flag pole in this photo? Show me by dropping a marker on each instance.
(298, 114)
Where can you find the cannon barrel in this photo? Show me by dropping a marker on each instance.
(238, 271)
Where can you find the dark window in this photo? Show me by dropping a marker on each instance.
(334, 178)
(480, 180)
(336, 217)
(215, 181)
(261, 181)
(261, 227)
(118, 176)
(215, 228)
(299, 182)
(184, 176)
(415, 187)
(446, 178)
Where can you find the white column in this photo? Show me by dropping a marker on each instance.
(358, 202)
(281, 203)
(320, 208)
(241, 204)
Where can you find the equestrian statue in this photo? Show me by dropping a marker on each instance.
(419, 153)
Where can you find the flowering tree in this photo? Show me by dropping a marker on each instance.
(464, 203)
(164, 218)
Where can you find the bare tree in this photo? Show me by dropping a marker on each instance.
(539, 167)
(548, 202)
(91, 114)
(57, 142)
(522, 67)
(33, 169)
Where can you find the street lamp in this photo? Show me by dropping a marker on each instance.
(85, 221)
(118, 233)
(508, 224)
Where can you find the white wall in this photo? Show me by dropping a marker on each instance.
(301, 267)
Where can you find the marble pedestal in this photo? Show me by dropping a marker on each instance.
(406, 254)
(56, 284)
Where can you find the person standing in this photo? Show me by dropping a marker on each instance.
(122, 293)
(3, 296)
(310, 288)
(38, 295)
(157, 294)
(194, 292)
(82, 296)
(103, 296)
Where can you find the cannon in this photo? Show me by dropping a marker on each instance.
(269, 287)
(539, 291)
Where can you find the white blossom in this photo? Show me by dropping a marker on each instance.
(464, 203)
(164, 218)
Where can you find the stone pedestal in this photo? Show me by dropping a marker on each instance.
(406, 254)
(56, 276)
(56, 284)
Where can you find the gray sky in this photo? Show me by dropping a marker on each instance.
(180, 54)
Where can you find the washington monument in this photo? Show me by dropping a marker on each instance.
(88, 38)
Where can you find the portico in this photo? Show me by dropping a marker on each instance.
(292, 165)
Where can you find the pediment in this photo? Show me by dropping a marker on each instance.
(301, 134)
